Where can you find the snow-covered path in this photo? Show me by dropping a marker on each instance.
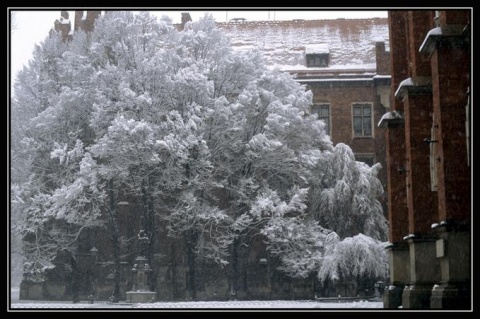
(199, 305)
(17, 304)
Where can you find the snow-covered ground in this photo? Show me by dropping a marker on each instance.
(197, 305)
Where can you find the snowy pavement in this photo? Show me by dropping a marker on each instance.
(199, 305)
(20, 305)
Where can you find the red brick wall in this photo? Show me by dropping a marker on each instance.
(86, 23)
(78, 20)
(341, 99)
(63, 28)
(396, 191)
(449, 68)
(455, 17)
(450, 83)
(421, 201)
(419, 23)
(398, 52)
(382, 59)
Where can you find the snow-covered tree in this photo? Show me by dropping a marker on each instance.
(46, 121)
(345, 195)
(360, 258)
(290, 233)
(204, 141)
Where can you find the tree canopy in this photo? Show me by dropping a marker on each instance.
(179, 120)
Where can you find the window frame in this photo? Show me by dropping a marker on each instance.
(364, 155)
(372, 131)
(323, 59)
(320, 105)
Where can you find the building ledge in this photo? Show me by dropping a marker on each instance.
(414, 86)
(391, 119)
(420, 237)
(397, 246)
(382, 79)
(445, 37)
(452, 225)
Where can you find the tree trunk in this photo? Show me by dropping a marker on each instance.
(234, 290)
(189, 244)
(175, 293)
(75, 279)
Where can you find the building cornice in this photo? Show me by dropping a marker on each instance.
(414, 86)
(445, 37)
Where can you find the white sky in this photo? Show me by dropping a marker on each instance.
(33, 26)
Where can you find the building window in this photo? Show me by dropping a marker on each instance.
(323, 113)
(362, 120)
(366, 158)
(317, 60)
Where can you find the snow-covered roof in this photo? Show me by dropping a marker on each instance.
(285, 44)
(317, 49)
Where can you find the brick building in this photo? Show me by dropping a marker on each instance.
(84, 20)
(428, 160)
(344, 62)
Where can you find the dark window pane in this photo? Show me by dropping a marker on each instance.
(362, 119)
(367, 126)
(325, 111)
(357, 126)
(327, 127)
(368, 159)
